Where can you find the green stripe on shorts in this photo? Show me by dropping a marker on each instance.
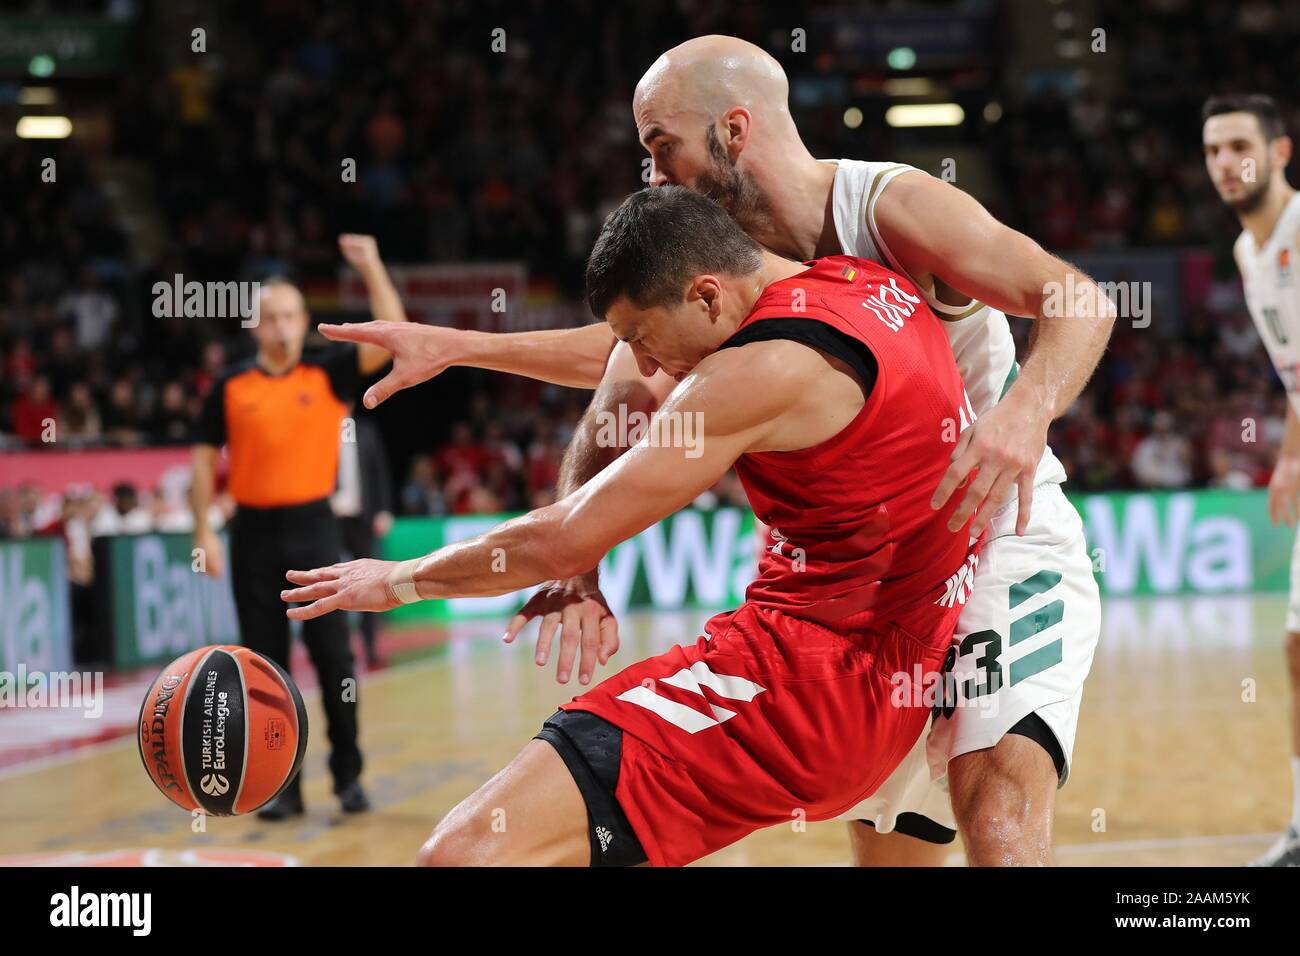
(1036, 584)
(1040, 660)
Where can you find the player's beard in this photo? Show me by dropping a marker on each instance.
(735, 190)
(1253, 200)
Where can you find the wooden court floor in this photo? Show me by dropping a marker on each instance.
(1172, 766)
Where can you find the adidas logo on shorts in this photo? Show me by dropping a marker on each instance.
(605, 837)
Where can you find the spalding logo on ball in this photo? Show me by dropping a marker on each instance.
(222, 730)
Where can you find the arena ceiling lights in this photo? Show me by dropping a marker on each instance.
(44, 127)
(925, 114)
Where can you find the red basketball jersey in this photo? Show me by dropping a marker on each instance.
(853, 538)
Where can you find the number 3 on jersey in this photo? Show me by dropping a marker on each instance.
(989, 676)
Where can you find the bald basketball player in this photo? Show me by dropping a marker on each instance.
(713, 113)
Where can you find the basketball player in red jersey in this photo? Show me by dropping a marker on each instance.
(714, 115)
(832, 390)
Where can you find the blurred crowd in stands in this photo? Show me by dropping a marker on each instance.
(472, 155)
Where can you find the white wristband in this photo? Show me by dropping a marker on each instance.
(401, 584)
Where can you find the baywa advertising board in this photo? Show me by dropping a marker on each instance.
(35, 627)
(1190, 542)
(155, 604)
(694, 559)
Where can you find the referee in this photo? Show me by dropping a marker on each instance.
(280, 415)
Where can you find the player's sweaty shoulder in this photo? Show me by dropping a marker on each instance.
(907, 194)
(792, 393)
(743, 386)
(764, 374)
(1239, 245)
(907, 202)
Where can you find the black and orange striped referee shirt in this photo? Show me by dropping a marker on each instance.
(282, 430)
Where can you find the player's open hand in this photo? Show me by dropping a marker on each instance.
(352, 586)
(419, 352)
(586, 622)
(1004, 446)
(1284, 491)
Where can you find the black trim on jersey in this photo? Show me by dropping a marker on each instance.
(210, 427)
(1036, 729)
(592, 748)
(819, 335)
(920, 827)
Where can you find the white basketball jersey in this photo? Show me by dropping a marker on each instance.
(1268, 273)
(980, 336)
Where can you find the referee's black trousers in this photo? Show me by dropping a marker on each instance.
(359, 542)
(264, 544)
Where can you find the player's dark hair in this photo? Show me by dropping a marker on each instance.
(1258, 105)
(657, 240)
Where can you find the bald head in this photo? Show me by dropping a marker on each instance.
(278, 292)
(710, 75)
(714, 114)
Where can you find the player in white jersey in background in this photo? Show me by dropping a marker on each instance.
(713, 113)
(1246, 154)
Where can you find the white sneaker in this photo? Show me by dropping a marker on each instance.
(1285, 852)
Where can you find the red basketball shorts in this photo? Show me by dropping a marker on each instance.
(768, 720)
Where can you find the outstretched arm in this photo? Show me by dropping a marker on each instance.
(575, 605)
(653, 480)
(572, 357)
(588, 357)
(933, 228)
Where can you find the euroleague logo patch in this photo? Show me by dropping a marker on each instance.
(214, 784)
(274, 736)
